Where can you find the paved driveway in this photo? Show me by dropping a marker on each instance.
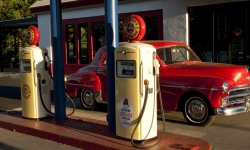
(226, 133)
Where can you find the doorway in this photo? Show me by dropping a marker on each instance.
(220, 35)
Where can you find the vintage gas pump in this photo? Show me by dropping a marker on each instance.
(134, 66)
(34, 68)
(136, 69)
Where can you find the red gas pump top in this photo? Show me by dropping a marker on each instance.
(134, 28)
(32, 35)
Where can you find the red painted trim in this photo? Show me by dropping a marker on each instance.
(40, 9)
(91, 41)
(77, 45)
(67, 5)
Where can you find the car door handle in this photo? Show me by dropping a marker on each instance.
(100, 70)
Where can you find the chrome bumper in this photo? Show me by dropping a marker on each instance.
(232, 110)
(98, 97)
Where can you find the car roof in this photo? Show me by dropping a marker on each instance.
(163, 43)
(156, 43)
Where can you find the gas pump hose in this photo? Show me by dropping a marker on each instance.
(74, 107)
(142, 113)
(47, 59)
(40, 93)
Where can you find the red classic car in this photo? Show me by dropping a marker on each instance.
(201, 90)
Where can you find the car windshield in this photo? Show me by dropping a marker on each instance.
(170, 55)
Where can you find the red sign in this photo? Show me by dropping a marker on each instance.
(134, 28)
(126, 112)
(32, 35)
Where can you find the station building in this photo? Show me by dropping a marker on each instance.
(218, 31)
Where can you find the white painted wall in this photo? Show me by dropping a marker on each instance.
(175, 17)
(45, 34)
(81, 13)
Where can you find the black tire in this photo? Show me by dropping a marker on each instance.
(87, 98)
(197, 112)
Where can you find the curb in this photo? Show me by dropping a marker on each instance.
(10, 75)
(85, 133)
(17, 75)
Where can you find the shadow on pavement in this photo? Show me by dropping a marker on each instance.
(10, 92)
(6, 146)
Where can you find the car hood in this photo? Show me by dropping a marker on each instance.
(237, 73)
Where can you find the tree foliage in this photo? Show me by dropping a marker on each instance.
(9, 10)
(14, 9)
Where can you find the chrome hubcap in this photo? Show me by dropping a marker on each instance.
(196, 109)
(88, 98)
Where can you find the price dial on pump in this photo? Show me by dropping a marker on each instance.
(126, 69)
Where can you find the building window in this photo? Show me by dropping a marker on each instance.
(152, 28)
(99, 36)
(70, 32)
(83, 45)
(120, 28)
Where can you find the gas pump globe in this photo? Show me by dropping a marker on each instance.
(33, 68)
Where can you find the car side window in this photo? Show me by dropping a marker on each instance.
(169, 55)
(164, 54)
(178, 54)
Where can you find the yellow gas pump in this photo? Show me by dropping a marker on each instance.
(34, 68)
(134, 66)
(137, 84)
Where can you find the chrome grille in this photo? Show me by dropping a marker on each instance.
(238, 95)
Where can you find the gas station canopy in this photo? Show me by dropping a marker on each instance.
(18, 23)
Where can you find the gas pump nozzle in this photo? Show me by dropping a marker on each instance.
(156, 66)
(46, 61)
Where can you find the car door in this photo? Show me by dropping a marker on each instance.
(168, 96)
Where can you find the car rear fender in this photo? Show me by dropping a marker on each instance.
(91, 81)
(83, 81)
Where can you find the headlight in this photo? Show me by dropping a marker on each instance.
(247, 77)
(224, 87)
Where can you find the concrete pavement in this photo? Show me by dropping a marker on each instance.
(82, 130)
(89, 133)
(10, 140)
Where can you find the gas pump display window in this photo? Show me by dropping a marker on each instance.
(126, 69)
(25, 66)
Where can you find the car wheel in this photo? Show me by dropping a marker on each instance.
(87, 98)
(197, 112)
